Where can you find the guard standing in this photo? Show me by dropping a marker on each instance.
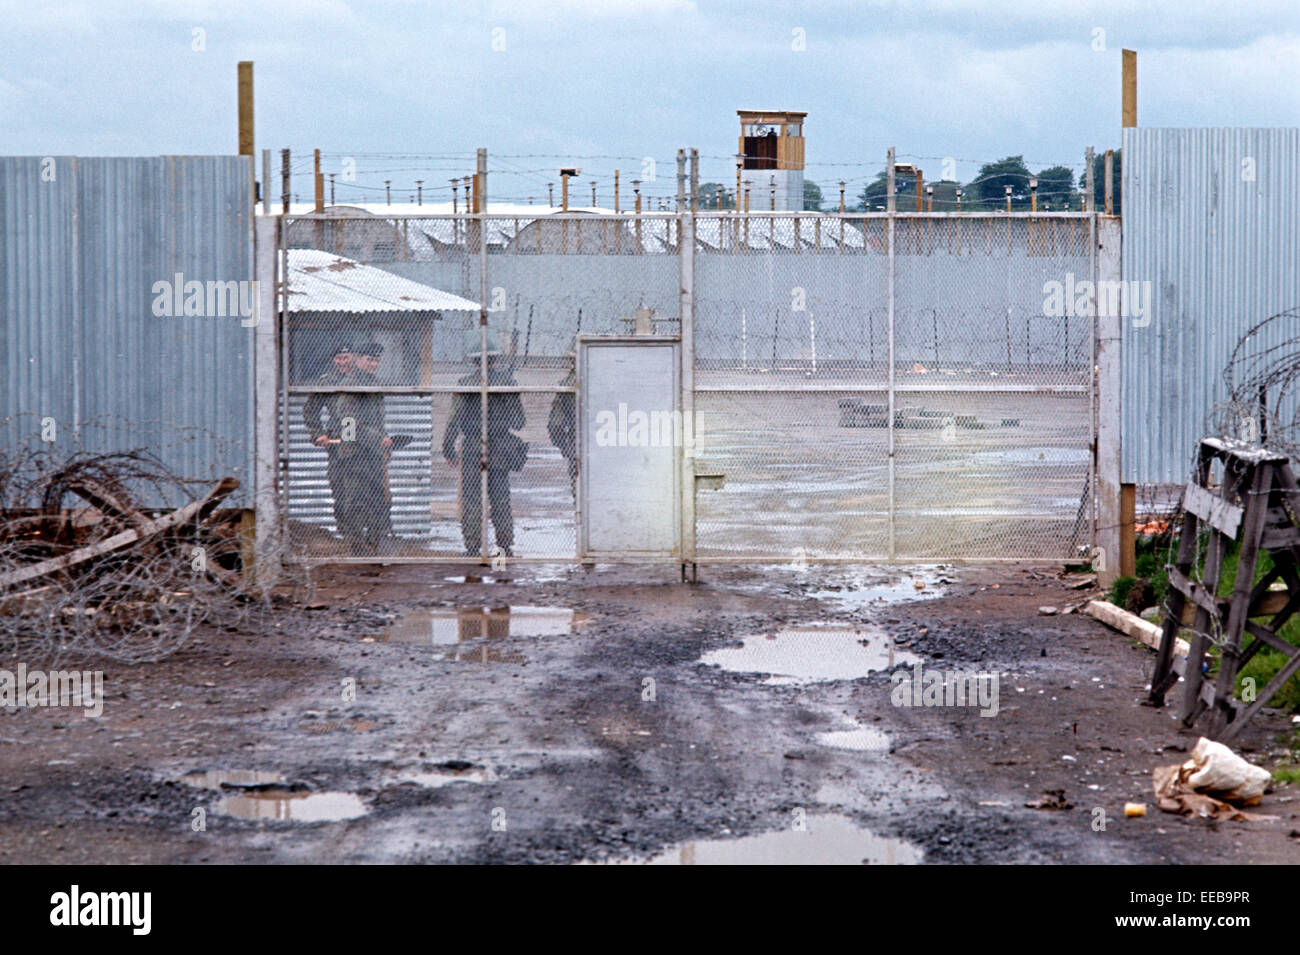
(562, 428)
(506, 452)
(373, 517)
(329, 434)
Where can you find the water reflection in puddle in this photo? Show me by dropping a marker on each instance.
(459, 625)
(264, 796)
(827, 840)
(812, 654)
(293, 807)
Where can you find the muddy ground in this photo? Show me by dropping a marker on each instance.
(492, 746)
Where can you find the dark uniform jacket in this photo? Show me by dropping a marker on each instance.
(505, 415)
(323, 401)
(562, 423)
(365, 410)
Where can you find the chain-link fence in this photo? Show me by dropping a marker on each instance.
(457, 477)
(852, 403)
(983, 348)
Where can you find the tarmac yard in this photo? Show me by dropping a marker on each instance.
(562, 714)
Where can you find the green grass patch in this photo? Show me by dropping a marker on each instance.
(1119, 590)
(1287, 774)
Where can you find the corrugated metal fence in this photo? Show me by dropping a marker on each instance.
(1212, 228)
(104, 331)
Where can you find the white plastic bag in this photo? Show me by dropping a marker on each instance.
(1219, 771)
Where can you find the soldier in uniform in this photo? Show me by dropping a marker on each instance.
(328, 435)
(369, 464)
(562, 427)
(505, 451)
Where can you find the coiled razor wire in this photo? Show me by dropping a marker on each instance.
(135, 604)
(1262, 408)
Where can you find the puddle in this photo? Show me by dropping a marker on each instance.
(812, 654)
(456, 625)
(827, 840)
(1057, 457)
(433, 779)
(865, 593)
(862, 739)
(471, 579)
(293, 807)
(264, 796)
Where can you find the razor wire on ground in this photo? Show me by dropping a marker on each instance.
(96, 558)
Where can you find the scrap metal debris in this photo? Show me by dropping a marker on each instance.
(85, 567)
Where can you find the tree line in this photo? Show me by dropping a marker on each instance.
(1059, 190)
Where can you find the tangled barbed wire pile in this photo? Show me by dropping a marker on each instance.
(90, 565)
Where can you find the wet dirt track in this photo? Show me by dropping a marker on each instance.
(532, 737)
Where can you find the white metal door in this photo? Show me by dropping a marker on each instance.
(630, 436)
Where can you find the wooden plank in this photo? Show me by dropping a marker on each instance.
(1263, 633)
(1129, 97)
(1215, 511)
(1275, 684)
(107, 501)
(1270, 602)
(244, 82)
(1165, 676)
(1249, 453)
(1239, 605)
(1279, 538)
(1131, 625)
(198, 510)
(1192, 676)
(1127, 530)
(1195, 592)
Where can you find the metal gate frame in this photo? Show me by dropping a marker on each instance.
(273, 388)
(1100, 360)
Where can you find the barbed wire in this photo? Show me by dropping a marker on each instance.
(122, 600)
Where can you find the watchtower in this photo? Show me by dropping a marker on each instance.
(771, 144)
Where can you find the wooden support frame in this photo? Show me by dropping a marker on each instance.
(1256, 505)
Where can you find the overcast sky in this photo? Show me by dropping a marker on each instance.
(410, 89)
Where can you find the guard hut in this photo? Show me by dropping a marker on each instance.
(333, 300)
(771, 142)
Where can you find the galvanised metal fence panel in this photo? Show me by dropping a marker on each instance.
(126, 293)
(550, 280)
(1211, 244)
(793, 325)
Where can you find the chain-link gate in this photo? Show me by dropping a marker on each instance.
(848, 403)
